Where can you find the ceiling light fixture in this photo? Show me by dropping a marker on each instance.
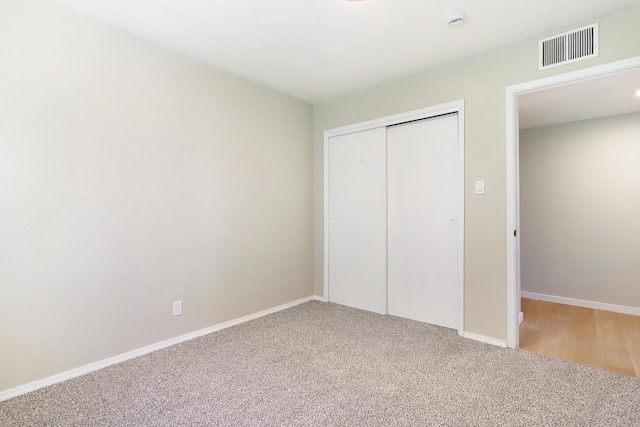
(455, 19)
(638, 93)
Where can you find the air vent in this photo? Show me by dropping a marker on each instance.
(568, 47)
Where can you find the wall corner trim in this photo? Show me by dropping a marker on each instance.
(484, 339)
(634, 311)
(54, 379)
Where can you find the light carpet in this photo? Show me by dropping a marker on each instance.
(321, 364)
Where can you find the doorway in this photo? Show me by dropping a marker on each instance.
(564, 81)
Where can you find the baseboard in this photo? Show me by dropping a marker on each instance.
(485, 339)
(520, 318)
(13, 392)
(319, 298)
(635, 311)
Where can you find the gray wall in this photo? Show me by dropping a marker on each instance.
(580, 204)
(132, 176)
(481, 82)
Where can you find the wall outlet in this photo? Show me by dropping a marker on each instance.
(177, 308)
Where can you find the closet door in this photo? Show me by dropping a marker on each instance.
(423, 244)
(358, 220)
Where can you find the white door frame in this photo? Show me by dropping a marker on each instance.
(424, 113)
(513, 213)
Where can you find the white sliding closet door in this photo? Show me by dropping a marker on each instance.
(358, 220)
(422, 220)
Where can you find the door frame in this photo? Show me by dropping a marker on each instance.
(513, 174)
(424, 113)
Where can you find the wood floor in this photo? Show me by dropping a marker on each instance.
(598, 338)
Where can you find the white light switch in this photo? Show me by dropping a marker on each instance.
(480, 187)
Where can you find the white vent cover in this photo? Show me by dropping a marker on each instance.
(568, 47)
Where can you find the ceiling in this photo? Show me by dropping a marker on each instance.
(605, 96)
(316, 50)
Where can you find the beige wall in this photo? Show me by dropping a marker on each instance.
(579, 208)
(481, 82)
(132, 176)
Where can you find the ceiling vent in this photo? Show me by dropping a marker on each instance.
(568, 47)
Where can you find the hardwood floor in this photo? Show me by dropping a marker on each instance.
(598, 338)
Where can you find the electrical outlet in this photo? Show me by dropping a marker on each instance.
(177, 308)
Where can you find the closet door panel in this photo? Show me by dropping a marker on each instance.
(358, 220)
(423, 244)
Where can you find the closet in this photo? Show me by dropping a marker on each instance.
(394, 232)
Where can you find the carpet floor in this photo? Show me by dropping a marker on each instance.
(321, 364)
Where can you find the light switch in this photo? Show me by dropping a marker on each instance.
(480, 187)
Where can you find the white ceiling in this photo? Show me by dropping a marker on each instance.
(320, 49)
(600, 97)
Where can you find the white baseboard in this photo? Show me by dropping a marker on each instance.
(635, 311)
(13, 392)
(520, 318)
(485, 339)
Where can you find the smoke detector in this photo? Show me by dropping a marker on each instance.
(455, 19)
